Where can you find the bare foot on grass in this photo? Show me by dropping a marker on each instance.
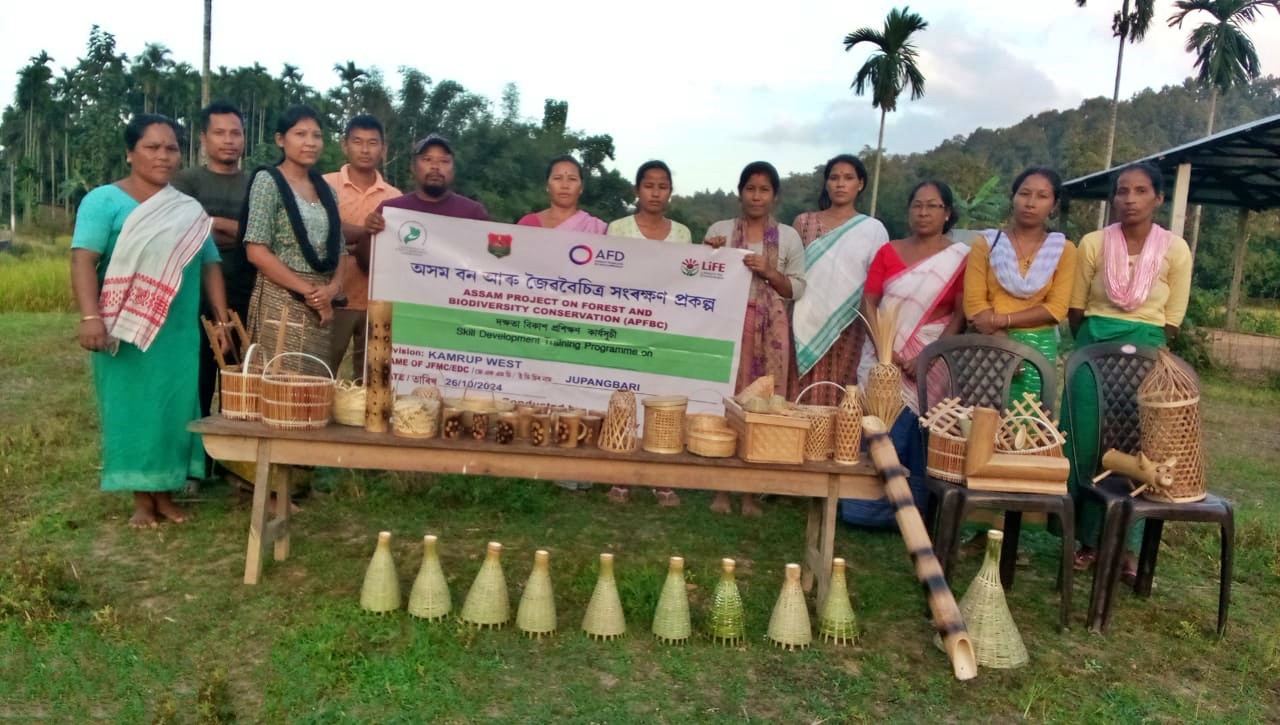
(144, 511)
(721, 504)
(750, 507)
(620, 494)
(168, 509)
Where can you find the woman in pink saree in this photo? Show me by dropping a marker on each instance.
(921, 276)
(564, 189)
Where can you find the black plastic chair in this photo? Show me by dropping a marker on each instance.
(980, 370)
(1118, 370)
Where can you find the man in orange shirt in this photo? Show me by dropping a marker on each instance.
(361, 189)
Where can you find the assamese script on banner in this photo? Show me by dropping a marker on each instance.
(555, 317)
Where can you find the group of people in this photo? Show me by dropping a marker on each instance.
(287, 238)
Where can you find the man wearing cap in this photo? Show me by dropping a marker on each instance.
(361, 189)
(433, 173)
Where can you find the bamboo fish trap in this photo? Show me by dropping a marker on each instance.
(884, 381)
(1169, 418)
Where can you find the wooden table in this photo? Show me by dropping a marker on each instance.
(345, 447)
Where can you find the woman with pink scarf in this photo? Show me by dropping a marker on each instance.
(1133, 280)
(564, 188)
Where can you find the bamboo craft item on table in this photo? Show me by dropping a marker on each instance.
(240, 391)
(761, 387)
(295, 400)
(487, 603)
(836, 621)
(789, 624)
(728, 621)
(699, 422)
(604, 618)
(767, 437)
(348, 403)
(884, 381)
(414, 417)
(664, 423)
(987, 470)
(379, 395)
(713, 443)
(505, 430)
(1169, 419)
(536, 615)
(671, 623)
(948, 423)
(819, 442)
(381, 589)
(946, 615)
(618, 433)
(430, 599)
(996, 641)
(848, 427)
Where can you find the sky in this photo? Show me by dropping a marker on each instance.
(705, 86)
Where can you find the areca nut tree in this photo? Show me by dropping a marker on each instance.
(889, 70)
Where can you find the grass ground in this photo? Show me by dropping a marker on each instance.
(102, 623)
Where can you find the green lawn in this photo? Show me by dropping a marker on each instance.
(99, 622)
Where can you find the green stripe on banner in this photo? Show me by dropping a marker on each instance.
(534, 338)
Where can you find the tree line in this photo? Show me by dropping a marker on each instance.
(63, 133)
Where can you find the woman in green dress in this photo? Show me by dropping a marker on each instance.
(138, 256)
(292, 233)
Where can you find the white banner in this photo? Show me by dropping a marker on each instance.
(557, 317)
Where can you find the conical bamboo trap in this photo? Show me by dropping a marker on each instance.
(996, 642)
(618, 432)
(604, 618)
(1169, 419)
(381, 589)
(789, 624)
(487, 603)
(836, 621)
(430, 599)
(536, 615)
(884, 382)
(728, 621)
(848, 427)
(671, 624)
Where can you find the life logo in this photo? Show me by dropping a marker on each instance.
(581, 255)
(691, 267)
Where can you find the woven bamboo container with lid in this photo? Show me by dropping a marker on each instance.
(664, 423)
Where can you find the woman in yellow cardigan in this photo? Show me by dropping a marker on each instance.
(1019, 282)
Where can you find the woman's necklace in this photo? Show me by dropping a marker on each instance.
(1025, 259)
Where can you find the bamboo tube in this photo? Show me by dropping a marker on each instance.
(379, 395)
(946, 615)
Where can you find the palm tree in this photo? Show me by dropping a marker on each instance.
(1225, 58)
(351, 77)
(1128, 25)
(204, 67)
(889, 70)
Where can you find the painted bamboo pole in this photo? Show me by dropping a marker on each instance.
(379, 395)
(946, 615)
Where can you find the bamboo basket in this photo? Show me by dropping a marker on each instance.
(996, 641)
(1169, 418)
(414, 417)
(767, 437)
(820, 441)
(1027, 430)
(948, 439)
(240, 390)
(664, 424)
(695, 422)
(884, 382)
(848, 427)
(713, 443)
(296, 401)
(349, 403)
(618, 432)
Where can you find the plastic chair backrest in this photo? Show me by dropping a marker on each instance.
(1118, 369)
(981, 368)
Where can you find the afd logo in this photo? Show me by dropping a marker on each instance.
(581, 254)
